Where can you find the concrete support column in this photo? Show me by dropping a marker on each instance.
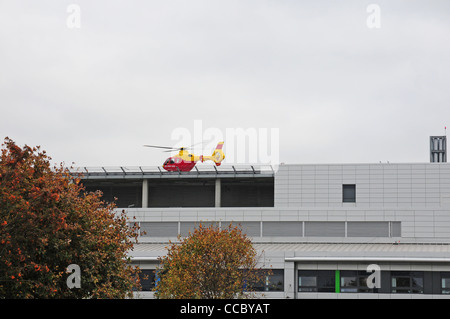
(218, 192)
(144, 193)
(290, 287)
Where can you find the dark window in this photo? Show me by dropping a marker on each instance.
(273, 281)
(256, 192)
(445, 283)
(147, 277)
(349, 193)
(407, 282)
(123, 193)
(355, 281)
(181, 192)
(316, 281)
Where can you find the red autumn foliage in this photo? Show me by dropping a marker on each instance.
(47, 222)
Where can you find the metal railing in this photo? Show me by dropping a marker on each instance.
(158, 171)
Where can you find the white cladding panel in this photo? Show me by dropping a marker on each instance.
(377, 185)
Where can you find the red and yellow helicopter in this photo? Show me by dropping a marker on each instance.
(185, 161)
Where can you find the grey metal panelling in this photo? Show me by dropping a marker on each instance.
(282, 229)
(431, 225)
(410, 186)
(396, 229)
(186, 227)
(303, 249)
(159, 229)
(325, 229)
(251, 229)
(368, 229)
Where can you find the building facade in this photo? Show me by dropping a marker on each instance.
(326, 230)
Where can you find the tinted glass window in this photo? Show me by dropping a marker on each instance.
(349, 193)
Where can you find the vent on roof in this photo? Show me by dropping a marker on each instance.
(438, 149)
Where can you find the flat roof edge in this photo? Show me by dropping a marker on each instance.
(121, 172)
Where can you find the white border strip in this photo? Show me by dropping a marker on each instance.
(386, 259)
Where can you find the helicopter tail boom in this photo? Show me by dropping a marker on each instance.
(217, 156)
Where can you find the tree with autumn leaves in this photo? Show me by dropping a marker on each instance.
(48, 222)
(210, 263)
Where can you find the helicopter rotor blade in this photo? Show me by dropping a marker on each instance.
(165, 147)
(196, 144)
(172, 149)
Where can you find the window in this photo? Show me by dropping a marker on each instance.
(445, 283)
(355, 281)
(349, 193)
(316, 281)
(367, 229)
(147, 277)
(271, 282)
(407, 282)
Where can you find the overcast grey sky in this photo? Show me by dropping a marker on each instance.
(337, 90)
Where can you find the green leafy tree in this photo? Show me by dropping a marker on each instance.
(210, 263)
(48, 222)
